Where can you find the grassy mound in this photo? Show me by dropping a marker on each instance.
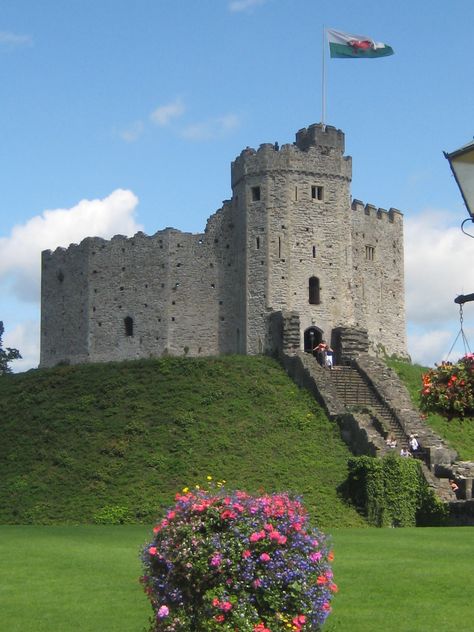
(459, 433)
(111, 443)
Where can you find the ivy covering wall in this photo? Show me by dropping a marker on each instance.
(392, 492)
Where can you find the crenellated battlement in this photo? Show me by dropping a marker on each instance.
(392, 215)
(89, 245)
(321, 136)
(318, 149)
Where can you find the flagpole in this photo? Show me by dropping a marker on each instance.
(323, 79)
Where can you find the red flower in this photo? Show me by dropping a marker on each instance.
(227, 514)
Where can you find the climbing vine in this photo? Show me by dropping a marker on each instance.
(392, 492)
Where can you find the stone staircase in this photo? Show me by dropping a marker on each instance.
(357, 395)
(368, 400)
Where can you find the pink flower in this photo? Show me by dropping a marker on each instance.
(216, 559)
(298, 621)
(163, 612)
(152, 550)
(257, 583)
(265, 557)
(316, 556)
(215, 602)
(226, 606)
(246, 554)
(257, 535)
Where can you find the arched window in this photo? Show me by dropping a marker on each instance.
(313, 287)
(128, 322)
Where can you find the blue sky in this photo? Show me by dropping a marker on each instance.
(120, 116)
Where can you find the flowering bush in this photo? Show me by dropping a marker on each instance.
(449, 389)
(234, 562)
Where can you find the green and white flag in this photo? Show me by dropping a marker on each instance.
(345, 45)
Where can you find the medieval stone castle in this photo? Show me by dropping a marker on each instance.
(289, 247)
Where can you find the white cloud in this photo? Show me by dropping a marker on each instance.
(213, 129)
(25, 337)
(243, 5)
(20, 252)
(165, 113)
(427, 347)
(13, 40)
(132, 132)
(438, 267)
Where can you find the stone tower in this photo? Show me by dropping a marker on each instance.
(289, 240)
(295, 204)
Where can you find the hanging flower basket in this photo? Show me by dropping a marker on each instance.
(449, 388)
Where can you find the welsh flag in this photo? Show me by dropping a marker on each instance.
(348, 45)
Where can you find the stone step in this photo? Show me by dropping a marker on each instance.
(354, 391)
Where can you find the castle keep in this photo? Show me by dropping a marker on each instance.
(289, 241)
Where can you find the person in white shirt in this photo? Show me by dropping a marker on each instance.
(414, 445)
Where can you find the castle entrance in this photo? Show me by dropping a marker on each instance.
(312, 337)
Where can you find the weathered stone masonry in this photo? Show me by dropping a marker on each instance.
(290, 239)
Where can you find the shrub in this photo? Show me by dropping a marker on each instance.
(449, 389)
(392, 492)
(112, 514)
(230, 561)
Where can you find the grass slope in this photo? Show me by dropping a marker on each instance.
(84, 579)
(120, 439)
(459, 433)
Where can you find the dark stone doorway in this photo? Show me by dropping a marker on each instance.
(312, 337)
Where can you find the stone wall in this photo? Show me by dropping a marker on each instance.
(378, 280)
(65, 305)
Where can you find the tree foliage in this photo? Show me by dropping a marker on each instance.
(6, 355)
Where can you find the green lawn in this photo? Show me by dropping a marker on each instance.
(84, 579)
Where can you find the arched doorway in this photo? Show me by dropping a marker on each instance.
(312, 337)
